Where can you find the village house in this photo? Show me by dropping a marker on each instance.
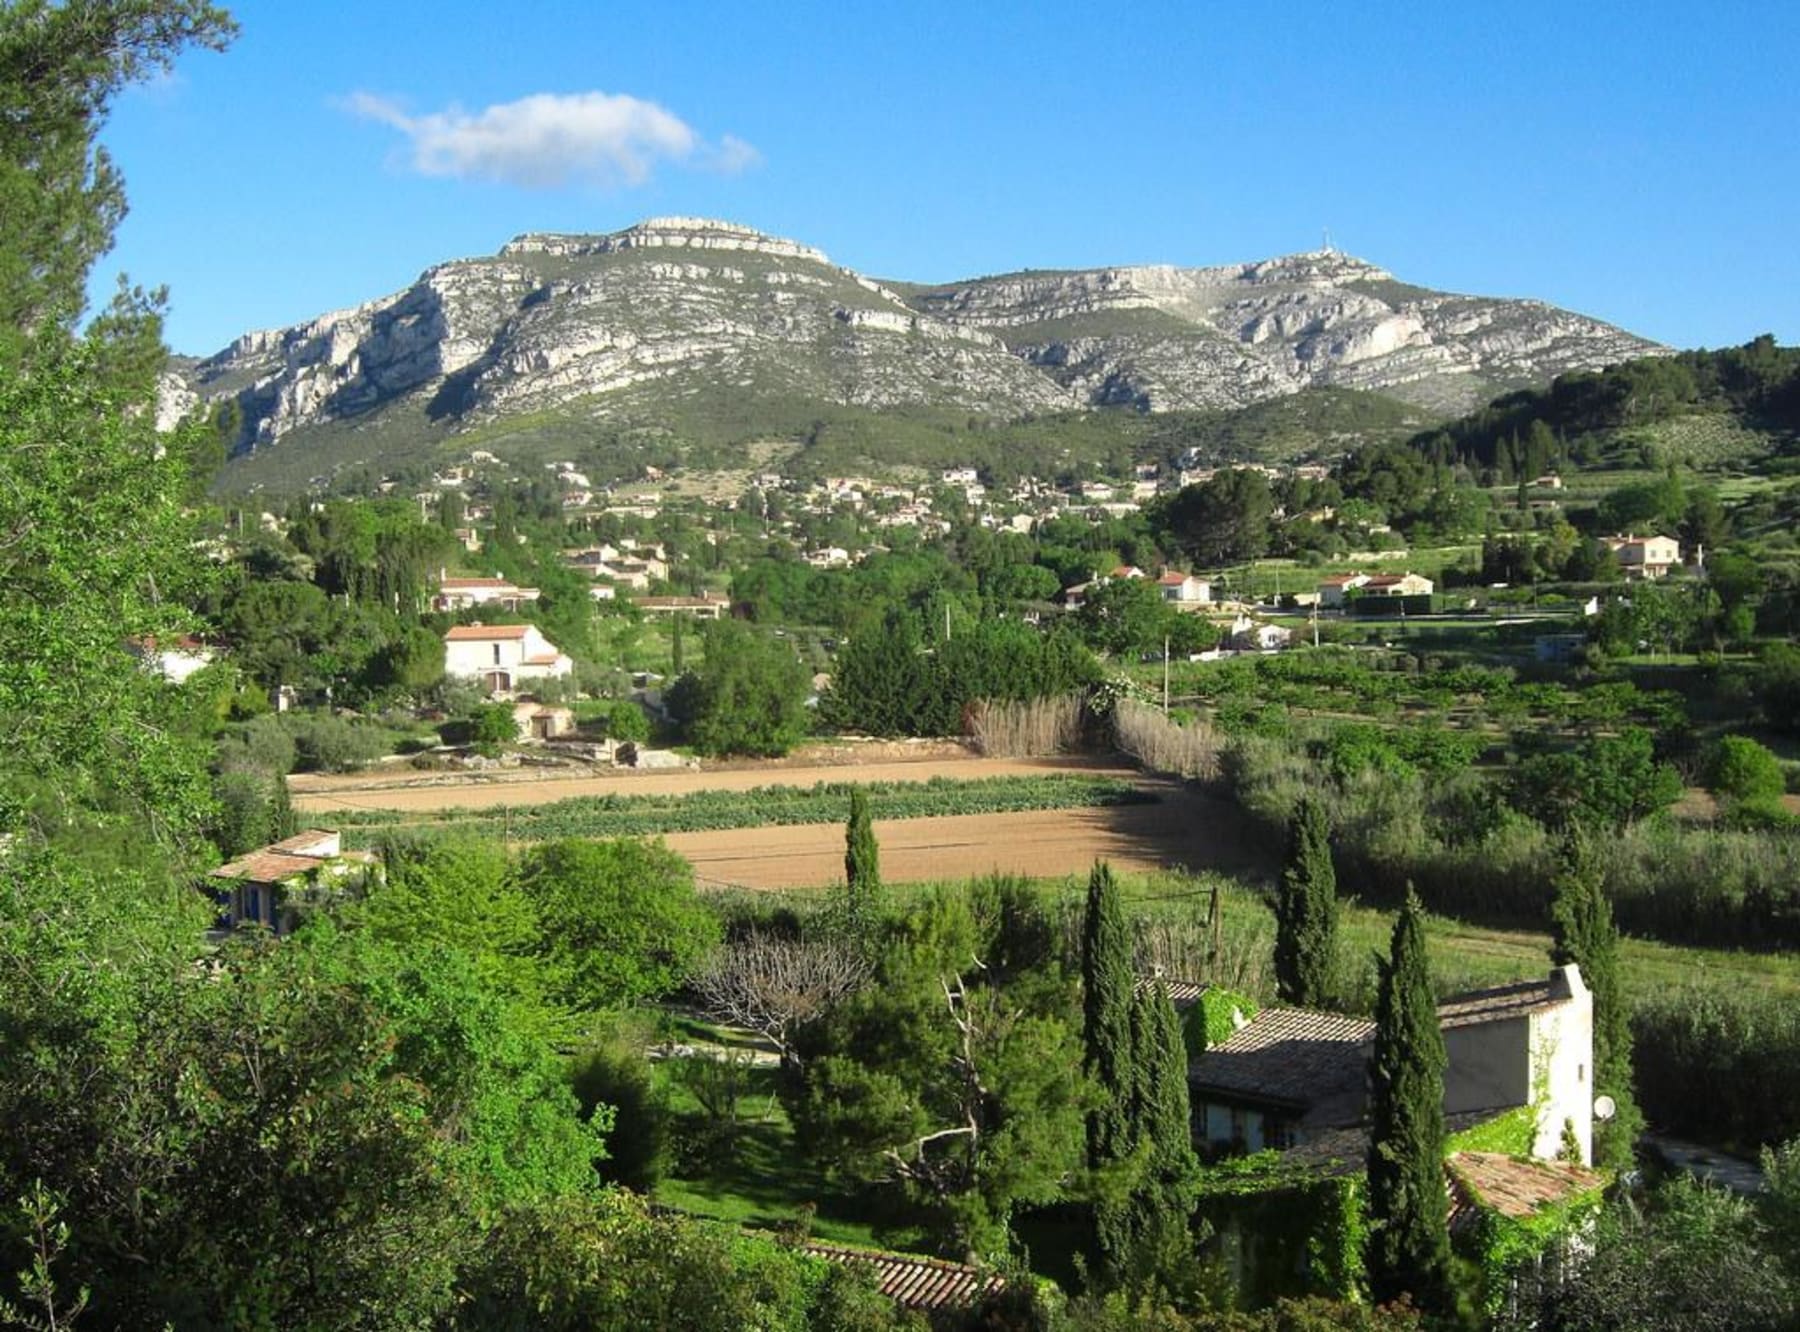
(1291, 1076)
(1519, 1105)
(272, 884)
(499, 656)
(175, 659)
(707, 607)
(1334, 591)
(1184, 589)
(455, 594)
(1249, 635)
(1644, 557)
(828, 557)
(1398, 585)
(541, 721)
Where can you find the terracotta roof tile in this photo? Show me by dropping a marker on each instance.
(913, 1282)
(1512, 1186)
(482, 633)
(267, 866)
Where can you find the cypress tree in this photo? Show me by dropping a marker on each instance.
(1583, 933)
(1306, 910)
(1160, 1209)
(862, 867)
(282, 823)
(1107, 984)
(1409, 1237)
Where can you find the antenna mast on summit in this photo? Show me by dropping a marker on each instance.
(1327, 247)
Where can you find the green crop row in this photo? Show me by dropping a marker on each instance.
(766, 806)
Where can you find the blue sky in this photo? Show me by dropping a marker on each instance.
(1638, 162)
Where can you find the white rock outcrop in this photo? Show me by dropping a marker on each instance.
(693, 304)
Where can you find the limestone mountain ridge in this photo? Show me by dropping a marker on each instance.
(616, 327)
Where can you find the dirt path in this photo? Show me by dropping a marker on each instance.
(316, 795)
(1185, 829)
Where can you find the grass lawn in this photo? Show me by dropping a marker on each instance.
(759, 1177)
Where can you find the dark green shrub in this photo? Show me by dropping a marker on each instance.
(637, 1145)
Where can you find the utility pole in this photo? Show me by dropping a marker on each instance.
(1165, 675)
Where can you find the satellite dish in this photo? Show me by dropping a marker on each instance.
(1605, 1108)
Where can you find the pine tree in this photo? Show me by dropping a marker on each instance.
(1409, 1238)
(1583, 933)
(862, 867)
(1306, 911)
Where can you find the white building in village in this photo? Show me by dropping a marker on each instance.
(501, 656)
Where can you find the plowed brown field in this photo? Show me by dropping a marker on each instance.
(320, 795)
(1183, 828)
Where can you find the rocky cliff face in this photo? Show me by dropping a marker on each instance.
(1165, 338)
(555, 323)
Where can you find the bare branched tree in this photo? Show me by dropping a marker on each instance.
(773, 984)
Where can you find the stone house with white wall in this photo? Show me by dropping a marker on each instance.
(501, 656)
(269, 886)
(1293, 1075)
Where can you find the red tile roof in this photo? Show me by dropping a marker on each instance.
(912, 1282)
(471, 583)
(1513, 1186)
(483, 633)
(267, 866)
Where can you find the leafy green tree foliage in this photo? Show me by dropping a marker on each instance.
(1306, 911)
(413, 660)
(379, 552)
(1124, 616)
(620, 919)
(93, 547)
(382, 1106)
(1583, 933)
(492, 725)
(884, 682)
(1740, 769)
(748, 697)
(605, 1263)
(944, 1082)
(61, 195)
(881, 681)
(1224, 520)
(1409, 1239)
(1693, 1257)
(617, 1076)
(457, 893)
(625, 722)
(1608, 782)
(862, 868)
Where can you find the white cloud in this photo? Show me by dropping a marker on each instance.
(549, 140)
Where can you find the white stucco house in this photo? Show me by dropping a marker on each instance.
(1184, 589)
(456, 594)
(501, 656)
(175, 659)
(1645, 557)
(1333, 591)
